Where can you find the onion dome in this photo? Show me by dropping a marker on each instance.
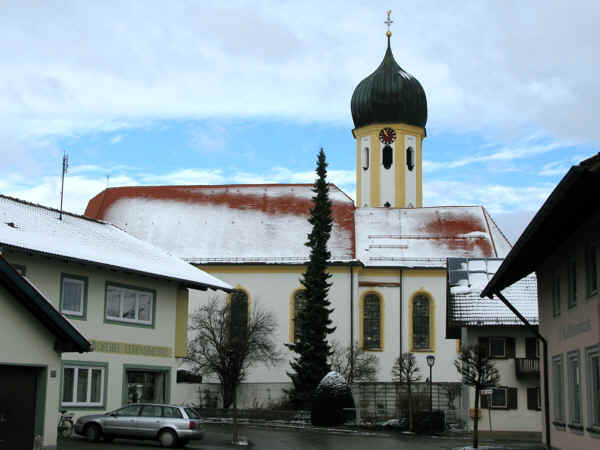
(389, 95)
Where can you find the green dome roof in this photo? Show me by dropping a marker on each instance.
(389, 95)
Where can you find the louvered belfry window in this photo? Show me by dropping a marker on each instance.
(299, 305)
(239, 312)
(372, 322)
(420, 318)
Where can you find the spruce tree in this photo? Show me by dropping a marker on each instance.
(313, 322)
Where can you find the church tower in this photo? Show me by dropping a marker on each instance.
(389, 110)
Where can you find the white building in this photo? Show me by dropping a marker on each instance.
(514, 405)
(127, 297)
(389, 252)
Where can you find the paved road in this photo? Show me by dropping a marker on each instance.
(218, 437)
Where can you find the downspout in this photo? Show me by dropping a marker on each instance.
(545, 345)
(351, 319)
(401, 291)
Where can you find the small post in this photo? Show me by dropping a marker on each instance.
(65, 165)
(430, 363)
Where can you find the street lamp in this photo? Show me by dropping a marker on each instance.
(430, 363)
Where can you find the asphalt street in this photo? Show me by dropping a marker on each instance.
(219, 437)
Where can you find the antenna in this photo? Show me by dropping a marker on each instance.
(65, 166)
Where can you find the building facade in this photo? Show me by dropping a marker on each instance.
(560, 245)
(129, 299)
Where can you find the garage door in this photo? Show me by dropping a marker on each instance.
(17, 407)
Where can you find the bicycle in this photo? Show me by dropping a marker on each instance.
(65, 424)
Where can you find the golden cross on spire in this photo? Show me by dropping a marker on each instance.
(389, 22)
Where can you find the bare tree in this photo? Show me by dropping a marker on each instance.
(226, 349)
(476, 369)
(354, 364)
(406, 371)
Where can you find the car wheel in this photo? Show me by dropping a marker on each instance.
(92, 432)
(167, 438)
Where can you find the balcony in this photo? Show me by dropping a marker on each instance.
(527, 366)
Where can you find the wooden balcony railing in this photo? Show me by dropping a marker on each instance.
(527, 366)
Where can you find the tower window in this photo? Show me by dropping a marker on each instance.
(410, 158)
(388, 156)
(365, 158)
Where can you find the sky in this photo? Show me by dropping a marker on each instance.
(201, 92)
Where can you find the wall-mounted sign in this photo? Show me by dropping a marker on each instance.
(573, 329)
(131, 349)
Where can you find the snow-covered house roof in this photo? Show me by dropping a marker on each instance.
(468, 277)
(426, 237)
(37, 229)
(227, 224)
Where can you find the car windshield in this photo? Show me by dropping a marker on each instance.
(192, 413)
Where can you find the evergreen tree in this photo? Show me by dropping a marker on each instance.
(313, 322)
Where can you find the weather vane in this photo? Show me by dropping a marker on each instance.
(389, 22)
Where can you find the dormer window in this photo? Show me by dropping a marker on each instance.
(410, 158)
(388, 157)
(365, 158)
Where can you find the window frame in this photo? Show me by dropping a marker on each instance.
(491, 400)
(431, 322)
(591, 269)
(571, 284)
(558, 389)
(574, 361)
(165, 370)
(593, 395)
(294, 315)
(387, 151)
(365, 157)
(81, 315)
(556, 294)
(363, 330)
(505, 346)
(230, 302)
(79, 365)
(130, 322)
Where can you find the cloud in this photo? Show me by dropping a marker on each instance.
(116, 139)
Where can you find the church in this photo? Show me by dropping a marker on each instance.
(389, 253)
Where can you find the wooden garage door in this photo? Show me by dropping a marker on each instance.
(17, 407)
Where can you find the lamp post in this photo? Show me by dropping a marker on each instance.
(430, 363)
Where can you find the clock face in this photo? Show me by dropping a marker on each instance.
(387, 136)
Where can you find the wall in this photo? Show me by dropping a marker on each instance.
(45, 273)
(30, 344)
(574, 329)
(520, 419)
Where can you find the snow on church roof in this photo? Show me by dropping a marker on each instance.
(35, 228)
(468, 277)
(227, 224)
(425, 237)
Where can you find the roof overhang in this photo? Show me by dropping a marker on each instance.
(573, 201)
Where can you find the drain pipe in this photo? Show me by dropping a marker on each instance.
(545, 345)
(401, 292)
(352, 320)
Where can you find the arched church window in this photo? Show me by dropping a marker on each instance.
(372, 322)
(365, 158)
(299, 305)
(388, 156)
(421, 322)
(410, 158)
(239, 312)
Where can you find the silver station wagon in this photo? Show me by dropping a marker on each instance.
(171, 425)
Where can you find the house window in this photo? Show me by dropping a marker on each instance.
(498, 347)
(410, 158)
(239, 312)
(593, 384)
(574, 383)
(299, 305)
(365, 158)
(129, 305)
(372, 322)
(499, 398)
(572, 284)
(556, 294)
(502, 398)
(421, 322)
(146, 386)
(557, 389)
(532, 348)
(73, 293)
(388, 157)
(534, 400)
(591, 275)
(83, 385)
